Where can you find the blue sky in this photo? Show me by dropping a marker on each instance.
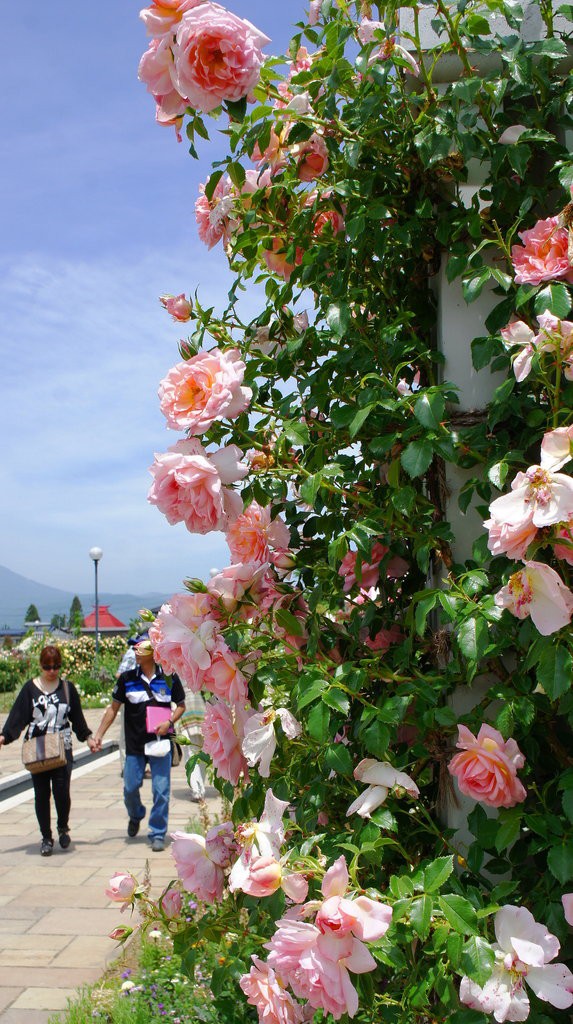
(96, 221)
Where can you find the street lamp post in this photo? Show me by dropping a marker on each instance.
(95, 555)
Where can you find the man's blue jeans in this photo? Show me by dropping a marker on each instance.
(160, 787)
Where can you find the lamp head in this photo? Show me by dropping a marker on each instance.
(96, 554)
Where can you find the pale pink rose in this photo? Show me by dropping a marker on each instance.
(223, 730)
(190, 485)
(538, 496)
(564, 550)
(208, 387)
(264, 877)
(384, 638)
(259, 743)
(513, 541)
(353, 570)
(121, 888)
(177, 306)
(523, 951)
(314, 11)
(486, 768)
(184, 636)
(240, 583)
(537, 591)
(365, 918)
(317, 965)
(253, 535)
(197, 872)
(276, 259)
(543, 255)
(382, 778)
(322, 819)
(154, 69)
(217, 56)
(214, 215)
(311, 157)
(519, 334)
(120, 934)
(265, 992)
(220, 843)
(261, 838)
(224, 677)
(556, 448)
(171, 903)
(567, 901)
(556, 335)
(366, 30)
(161, 16)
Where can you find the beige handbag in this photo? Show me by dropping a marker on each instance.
(43, 753)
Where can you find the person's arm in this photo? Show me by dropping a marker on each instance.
(165, 727)
(109, 716)
(20, 716)
(77, 719)
(178, 698)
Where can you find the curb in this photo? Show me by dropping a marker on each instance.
(20, 781)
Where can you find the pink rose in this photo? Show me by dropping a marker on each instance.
(506, 539)
(384, 638)
(240, 583)
(198, 873)
(190, 485)
(253, 535)
(217, 56)
(268, 995)
(314, 11)
(178, 306)
(567, 901)
(565, 550)
(121, 887)
(171, 903)
(543, 255)
(311, 158)
(223, 730)
(184, 636)
(161, 17)
(538, 591)
(224, 677)
(220, 843)
(556, 448)
(276, 259)
(154, 69)
(486, 769)
(353, 570)
(203, 389)
(213, 215)
(264, 877)
(538, 496)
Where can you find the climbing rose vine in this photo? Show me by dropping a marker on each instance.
(387, 659)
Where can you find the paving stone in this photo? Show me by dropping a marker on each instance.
(43, 999)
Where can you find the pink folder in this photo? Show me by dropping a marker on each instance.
(154, 716)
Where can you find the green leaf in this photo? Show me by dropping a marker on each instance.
(338, 318)
(473, 638)
(567, 801)
(337, 700)
(360, 418)
(310, 488)
(555, 298)
(477, 959)
(437, 872)
(289, 622)
(416, 458)
(318, 723)
(555, 670)
(460, 913)
(508, 831)
(421, 916)
(472, 287)
(429, 410)
(297, 432)
(560, 861)
(310, 693)
(338, 759)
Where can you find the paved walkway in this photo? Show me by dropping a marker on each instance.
(55, 918)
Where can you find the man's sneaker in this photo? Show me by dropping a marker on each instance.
(157, 844)
(65, 840)
(133, 827)
(47, 847)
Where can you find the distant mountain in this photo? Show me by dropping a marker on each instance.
(17, 593)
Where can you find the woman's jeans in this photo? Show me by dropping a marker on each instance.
(133, 771)
(58, 781)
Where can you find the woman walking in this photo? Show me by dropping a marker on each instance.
(49, 704)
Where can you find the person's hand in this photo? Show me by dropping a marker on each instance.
(2, 740)
(94, 744)
(163, 729)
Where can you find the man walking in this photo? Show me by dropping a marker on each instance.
(137, 690)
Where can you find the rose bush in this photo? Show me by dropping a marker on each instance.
(381, 637)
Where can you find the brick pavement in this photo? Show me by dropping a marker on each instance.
(55, 918)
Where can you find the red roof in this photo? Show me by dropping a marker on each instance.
(105, 619)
